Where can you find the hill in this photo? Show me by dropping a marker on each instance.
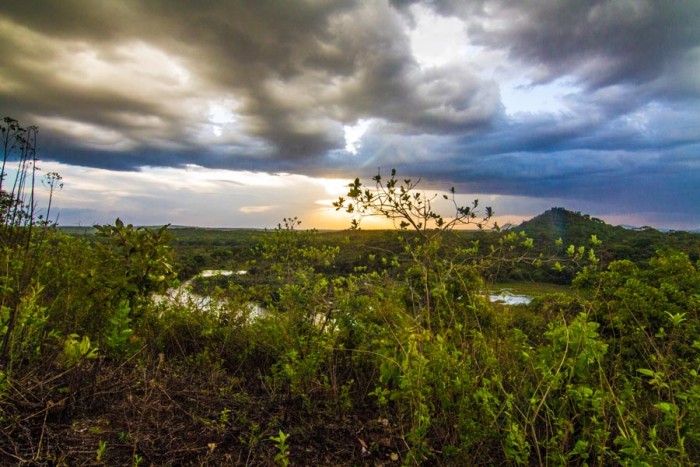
(618, 242)
(571, 227)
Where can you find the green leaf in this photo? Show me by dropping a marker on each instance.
(665, 407)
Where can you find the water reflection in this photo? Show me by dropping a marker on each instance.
(508, 298)
(183, 296)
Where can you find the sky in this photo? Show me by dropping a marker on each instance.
(241, 113)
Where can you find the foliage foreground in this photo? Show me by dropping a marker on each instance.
(401, 361)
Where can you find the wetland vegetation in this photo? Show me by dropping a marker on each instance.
(377, 347)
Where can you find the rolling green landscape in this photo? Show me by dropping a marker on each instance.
(350, 347)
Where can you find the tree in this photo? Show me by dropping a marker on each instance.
(137, 260)
(403, 203)
(434, 279)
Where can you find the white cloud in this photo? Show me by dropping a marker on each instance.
(88, 135)
(134, 68)
(437, 40)
(255, 209)
(354, 133)
(191, 195)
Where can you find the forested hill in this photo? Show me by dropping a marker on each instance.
(618, 242)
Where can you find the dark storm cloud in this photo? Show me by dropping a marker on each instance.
(271, 85)
(299, 71)
(608, 43)
(601, 42)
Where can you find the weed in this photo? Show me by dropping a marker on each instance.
(282, 456)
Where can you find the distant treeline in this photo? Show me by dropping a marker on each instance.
(552, 231)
